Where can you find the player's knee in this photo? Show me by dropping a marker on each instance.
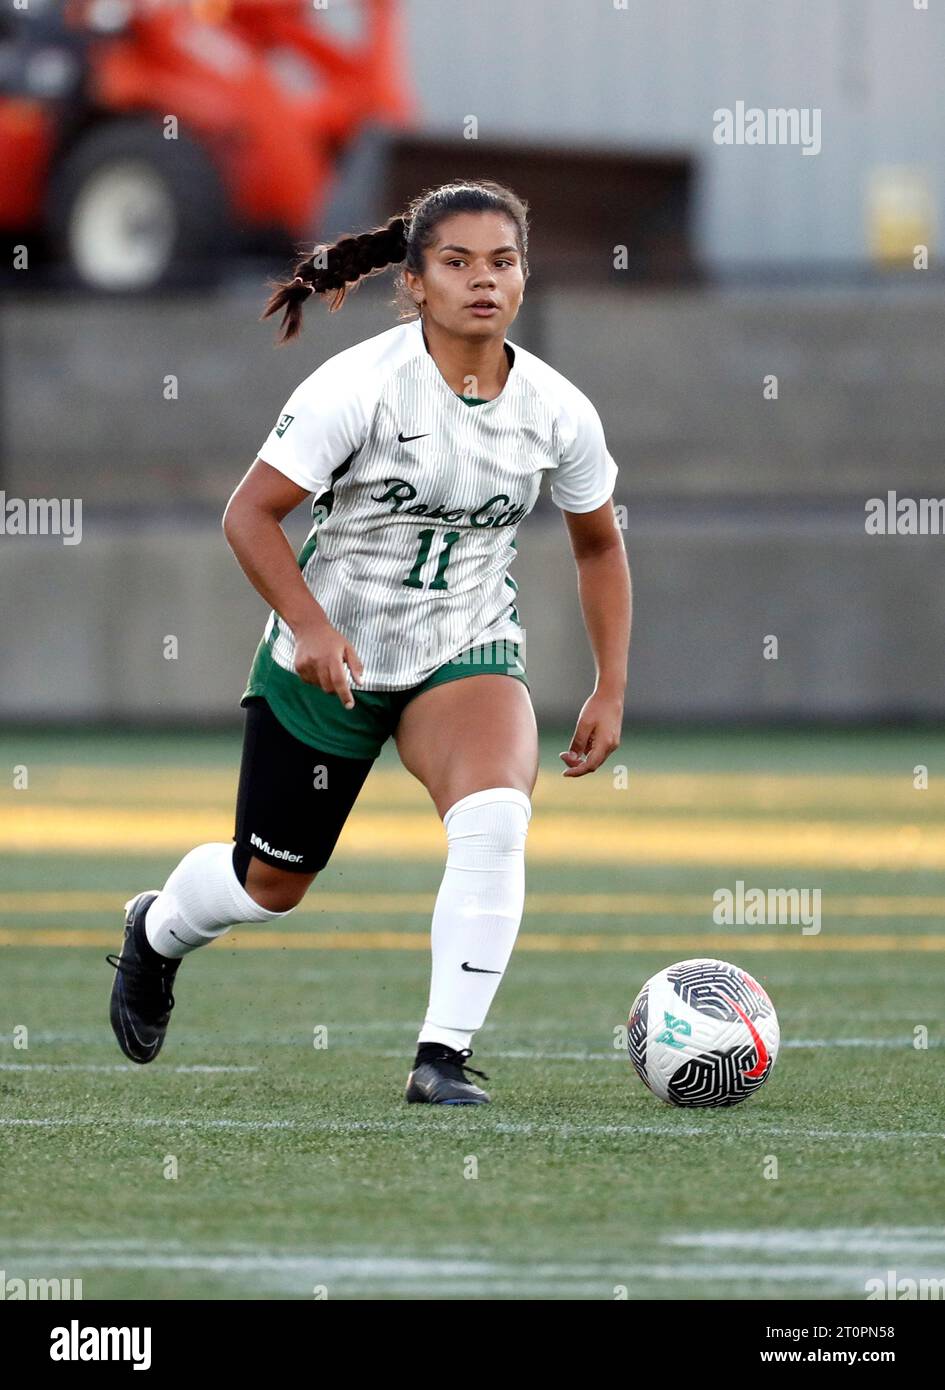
(277, 890)
(491, 822)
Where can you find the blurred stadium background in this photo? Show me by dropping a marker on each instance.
(135, 376)
(745, 515)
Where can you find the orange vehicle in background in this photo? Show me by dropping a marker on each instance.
(142, 140)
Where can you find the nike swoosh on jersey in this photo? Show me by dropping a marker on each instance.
(406, 438)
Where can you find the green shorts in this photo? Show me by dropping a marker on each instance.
(321, 720)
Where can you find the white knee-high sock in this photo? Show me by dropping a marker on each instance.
(200, 901)
(478, 911)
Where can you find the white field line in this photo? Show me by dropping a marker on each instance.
(304, 1040)
(303, 1270)
(411, 1127)
(619, 1055)
(114, 1067)
(885, 1242)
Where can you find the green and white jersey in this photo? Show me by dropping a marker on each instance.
(418, 496)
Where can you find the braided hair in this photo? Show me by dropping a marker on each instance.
(333, 269)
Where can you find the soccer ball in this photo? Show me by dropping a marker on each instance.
(703, 1032)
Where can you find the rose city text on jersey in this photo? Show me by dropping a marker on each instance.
(400, 492)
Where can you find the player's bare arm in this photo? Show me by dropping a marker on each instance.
(606, 601)
(252, 524)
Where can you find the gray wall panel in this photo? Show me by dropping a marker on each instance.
(556, 71)
(676, 378)
(859, 622)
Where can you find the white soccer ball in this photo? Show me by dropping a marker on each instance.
(703, 1032)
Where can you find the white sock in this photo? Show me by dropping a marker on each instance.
(478, 911)
(200, 901)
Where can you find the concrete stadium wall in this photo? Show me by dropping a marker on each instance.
(859, 621)
(745, 517)
(677, 379)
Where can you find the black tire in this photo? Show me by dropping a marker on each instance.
(178, 188)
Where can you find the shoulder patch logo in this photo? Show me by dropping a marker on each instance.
(284, 423)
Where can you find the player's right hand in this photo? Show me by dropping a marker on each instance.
(321, 654)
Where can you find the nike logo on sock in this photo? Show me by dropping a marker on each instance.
(474, 969)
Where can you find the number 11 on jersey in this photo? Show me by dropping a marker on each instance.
(413, 580)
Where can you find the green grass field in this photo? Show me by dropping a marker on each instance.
(300, 1168)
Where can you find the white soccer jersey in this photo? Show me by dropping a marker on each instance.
(418, 496)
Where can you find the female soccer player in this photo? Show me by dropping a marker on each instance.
(423, 448)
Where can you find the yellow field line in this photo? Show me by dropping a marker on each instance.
(387, 785)
(559, 839)
(701, 944)
(29, 903)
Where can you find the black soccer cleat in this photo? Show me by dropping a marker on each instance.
(141, 995)
(437, 1077)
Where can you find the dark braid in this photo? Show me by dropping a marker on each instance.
(331, 269)
(404, 239)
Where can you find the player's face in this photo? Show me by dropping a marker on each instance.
(474, 257)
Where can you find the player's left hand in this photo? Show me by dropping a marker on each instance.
(596, 736)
